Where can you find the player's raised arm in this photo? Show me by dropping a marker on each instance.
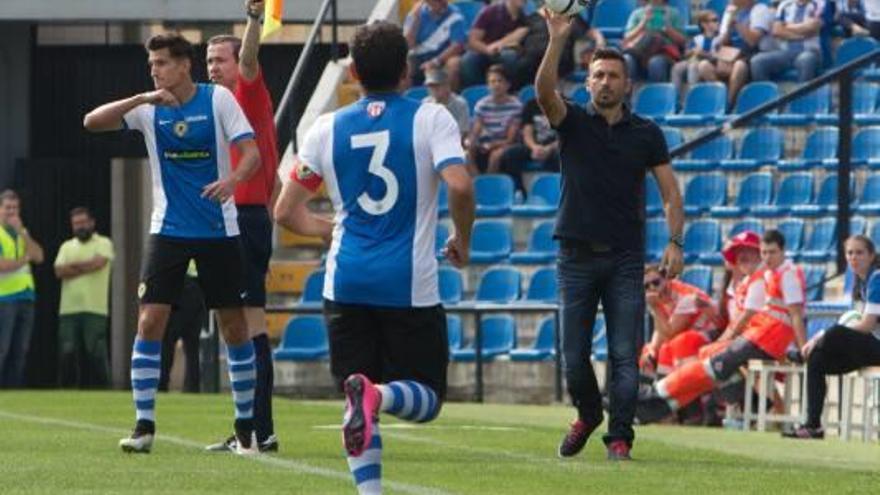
(548, 72)
(248, 65)
(109, 116)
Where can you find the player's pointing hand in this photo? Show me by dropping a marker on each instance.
(161, 97)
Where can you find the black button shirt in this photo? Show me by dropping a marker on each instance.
(603, 176)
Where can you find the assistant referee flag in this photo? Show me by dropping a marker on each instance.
(272, 18)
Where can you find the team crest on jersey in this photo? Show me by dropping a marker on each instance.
(303, 172)
(142, 289)
(375, 108)
(180, 128)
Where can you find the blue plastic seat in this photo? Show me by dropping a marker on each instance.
(474, 94)
(701, 239)
(752, 224)
(673, 137)
(543, 286)
(440, 237)
(826, 200)
(454, 334)
(853, 48)
(469, 9)
(805, 109)
(610, 16)
(304, 339)
(816, 324)
(760, 146)
(703, 103)
(500, 284)
(656, 101)
(793, 231)
(450, 283)
(818, 248)
(717, 5)
(707, 156)
(866, 148)
(869, 201)
(542, 247)
(795, 189)
(580, 96)
(600, 340)
(864, 106)
(417, 93)
(491, 241)
(543, 200)
(698, 276)
(857, 225)
(313, 290)
(703, 192)
(653, 199)
(542, 348)
(753, 95)
(527, 93)
(493, 194)
(820, 150)
(498, 337)
(755, 190)
(656, 238)
(874, 233)
(443, 199)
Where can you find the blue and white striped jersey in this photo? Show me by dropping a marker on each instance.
(188, 147)
(380, 159)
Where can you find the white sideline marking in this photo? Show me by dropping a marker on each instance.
(411, 426)
(299, 467)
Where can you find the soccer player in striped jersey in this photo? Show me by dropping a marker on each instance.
(382, 159)
(188, 129)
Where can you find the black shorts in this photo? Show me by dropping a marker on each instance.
(388, 344)
(256, 246)
(217, 260)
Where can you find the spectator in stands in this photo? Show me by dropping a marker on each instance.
(605, 152)
(653, 40)
(702, 47)
(540, 144)
(745, 29)
(17, 251)
(188, 317)
(494, 39)
(438, 85)
(844, 348)
(436, 34)
(496, 124)
(850, 14)
(83, 265)
(796, 31)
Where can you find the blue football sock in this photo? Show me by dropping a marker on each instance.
(409, 400)
(146, 359)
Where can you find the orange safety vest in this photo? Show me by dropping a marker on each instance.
(775, 306)
(738, 301)
(706, 319)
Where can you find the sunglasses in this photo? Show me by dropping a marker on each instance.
(653, 283)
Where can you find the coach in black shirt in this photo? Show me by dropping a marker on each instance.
(605, 153)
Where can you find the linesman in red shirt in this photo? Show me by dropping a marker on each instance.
(232, 62)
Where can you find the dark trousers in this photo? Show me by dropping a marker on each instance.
(186, 322)
(16, 326)
(840, 350)
(514, 160)
(615, 279)
(82, 351)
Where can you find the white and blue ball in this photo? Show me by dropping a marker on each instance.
(566, 7)
(848, 318)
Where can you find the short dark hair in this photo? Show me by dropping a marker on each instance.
(81, 210)
(235, 41)
(774, 236)
(9, 195)
(609, 53)
(379, 51)
(178, 46)
(497, 69)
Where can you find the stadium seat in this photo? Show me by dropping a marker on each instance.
(752, 224)
(656, 101)
(814, 275)
(857, 225)
(498, 337)
(869, 201)
(313, 291)
(500, 284)
(703, 192)
(543, 346)
(527, 93)
(469, 9)
(819, 245)
(819, 150)
(656, 238)
(760, 146)
(443, 199)
(707, 156)
(453, 332)
(864, 106)
(653, 199)
(816, 324)
(543, 199)
(440, 237)
(826, 200)
(702, 238)
(493, 194)
(276, 323)
(795, 189)
(805, 109)
(305, 339)
(874, 233)
(600, 340)
(417, 93)
(717, 5)
(866, 148)
(704, 102)
(753, 95)
(580, 96)
(793, 231)
(450, 283)
(491, 241)
(755, 190)
(543, 286)
(474, 94)
(853, 48)
(610, 16)
(673, 137)
(542, 247)
(698, 276)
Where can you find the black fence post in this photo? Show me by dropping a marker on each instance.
(844, 156)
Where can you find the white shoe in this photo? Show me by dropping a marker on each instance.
(254, 448)
(137, 443)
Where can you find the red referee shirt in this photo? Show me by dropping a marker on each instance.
(257, 106)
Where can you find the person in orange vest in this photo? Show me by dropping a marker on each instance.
(767, 335)
(685, 319)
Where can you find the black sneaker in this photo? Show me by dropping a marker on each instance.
(227, 445)
(577, 437)
(803, 432)
(141, 439)
(270, 444)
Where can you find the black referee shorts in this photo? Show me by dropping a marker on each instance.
(388, 344)
(218, 262)
(256, 243)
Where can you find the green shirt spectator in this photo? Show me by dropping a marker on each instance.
(88, 291)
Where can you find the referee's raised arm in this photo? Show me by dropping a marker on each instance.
(548, 73)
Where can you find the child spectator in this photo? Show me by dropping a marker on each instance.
(496, 124)
(702, 47)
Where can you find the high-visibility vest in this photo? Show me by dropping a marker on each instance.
(16, 281)
(775, 306)
(705, 319)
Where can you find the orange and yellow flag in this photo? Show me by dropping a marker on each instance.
(272, 18)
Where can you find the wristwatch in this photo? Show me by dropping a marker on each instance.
(677, 239)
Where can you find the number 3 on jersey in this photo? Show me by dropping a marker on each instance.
(379, 141)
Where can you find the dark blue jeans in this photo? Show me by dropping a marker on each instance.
(615, 279)
(16, 326)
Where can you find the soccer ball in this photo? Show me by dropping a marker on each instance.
(849, 317)
(566, 7)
